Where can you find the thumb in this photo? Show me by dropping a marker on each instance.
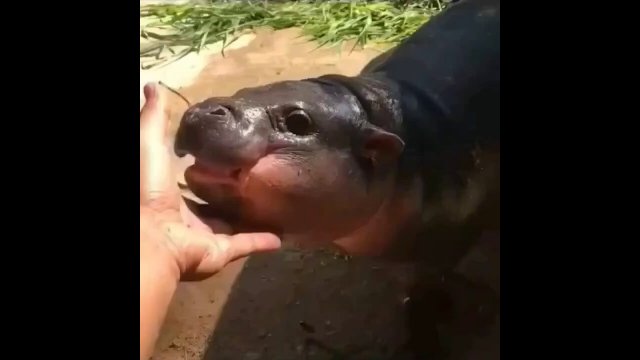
(224, 249)
(245, 244)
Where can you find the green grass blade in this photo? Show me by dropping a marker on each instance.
(328, 23)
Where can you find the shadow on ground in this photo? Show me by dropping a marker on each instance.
(314, 305)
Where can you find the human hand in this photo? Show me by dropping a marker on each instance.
(170, 235)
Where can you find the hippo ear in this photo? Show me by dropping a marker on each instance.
(380, 147)
(376, 97)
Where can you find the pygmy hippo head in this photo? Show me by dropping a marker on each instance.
(314, 157)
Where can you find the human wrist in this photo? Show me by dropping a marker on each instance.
(158, 262)
(157, 250)
(159, 277)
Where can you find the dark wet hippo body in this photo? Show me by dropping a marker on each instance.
(401, 161)
(447, 77)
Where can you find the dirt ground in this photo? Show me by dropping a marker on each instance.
(302, 304)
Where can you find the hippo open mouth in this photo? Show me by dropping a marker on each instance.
(208, 173)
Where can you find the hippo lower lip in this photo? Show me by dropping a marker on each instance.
(202, 172)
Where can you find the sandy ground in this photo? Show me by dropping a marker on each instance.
(298, 304)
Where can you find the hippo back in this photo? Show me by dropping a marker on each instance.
(448, 78)
(449, 75)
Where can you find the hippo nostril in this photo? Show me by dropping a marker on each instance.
(219, 111)
(180, 152)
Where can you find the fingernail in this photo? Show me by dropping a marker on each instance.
(150, 90)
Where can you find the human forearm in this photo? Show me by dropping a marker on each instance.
(157, 286)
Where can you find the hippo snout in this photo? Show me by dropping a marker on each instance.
(223, 133)
(208, 112)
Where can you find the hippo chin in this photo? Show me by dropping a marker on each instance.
(401, 160)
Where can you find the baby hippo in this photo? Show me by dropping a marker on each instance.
(401, 160)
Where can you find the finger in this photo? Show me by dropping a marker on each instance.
(158, 188)
(242, 245)
(201, 254)
(153, 120)
(157, 185)
(224, 249)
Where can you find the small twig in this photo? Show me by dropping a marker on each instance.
(175, 92)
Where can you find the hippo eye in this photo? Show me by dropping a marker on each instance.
(298, 123)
